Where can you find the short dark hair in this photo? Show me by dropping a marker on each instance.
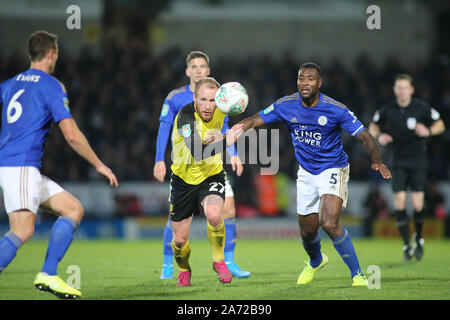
(40, 43)
(404, 76)
(196, 54)
(311, 65)
(208, 80)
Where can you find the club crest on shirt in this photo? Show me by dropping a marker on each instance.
(322, 120)
(411, 123)
(186, 130)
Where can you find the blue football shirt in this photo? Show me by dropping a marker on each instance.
(316, 131)
(32, 101)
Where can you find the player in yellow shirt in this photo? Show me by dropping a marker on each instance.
(198, 179)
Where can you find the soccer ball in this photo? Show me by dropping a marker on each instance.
(232, 98)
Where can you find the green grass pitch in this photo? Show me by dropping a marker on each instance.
(131, 270)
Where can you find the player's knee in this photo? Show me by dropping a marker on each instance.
(417, 204)
(75, 211)
(308, 234)
(399, 203)
(215, 220)
(213, 214)
(330, 226)
(180, 240)
(24, 232)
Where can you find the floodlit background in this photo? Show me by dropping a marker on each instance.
(128, 55)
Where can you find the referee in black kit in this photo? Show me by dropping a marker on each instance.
(407, 122)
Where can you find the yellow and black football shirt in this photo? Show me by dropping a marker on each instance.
(192, 160)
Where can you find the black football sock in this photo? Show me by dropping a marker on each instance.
(418, 222)
(403, 225)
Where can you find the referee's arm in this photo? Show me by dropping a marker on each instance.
(374, 130)
(435, 129)
(382, 138)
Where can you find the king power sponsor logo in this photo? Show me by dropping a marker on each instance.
(312, 138)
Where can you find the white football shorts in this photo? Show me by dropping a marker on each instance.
(26, 188)
(310, 188)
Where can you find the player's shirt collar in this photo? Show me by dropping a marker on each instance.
(318, 103)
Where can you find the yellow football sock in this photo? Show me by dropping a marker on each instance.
(182, 256)
(216, 237)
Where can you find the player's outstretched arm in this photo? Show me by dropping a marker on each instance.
(372, 150)
(244, 125)
(252, 122)
(229, 138)
(78, 142)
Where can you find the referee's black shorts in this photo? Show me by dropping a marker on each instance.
(414, 179)
(185, 199)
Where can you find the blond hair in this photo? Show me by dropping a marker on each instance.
(209, 81)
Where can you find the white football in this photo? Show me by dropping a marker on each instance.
(232, 98)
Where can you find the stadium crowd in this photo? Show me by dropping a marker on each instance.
(116, 98)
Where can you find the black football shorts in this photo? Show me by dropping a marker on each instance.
(414, 179)
(185, 199)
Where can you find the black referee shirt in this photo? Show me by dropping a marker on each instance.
(409, 150)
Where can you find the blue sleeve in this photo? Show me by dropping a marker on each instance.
(57, 100)
(231, 149)
(162, 139)
(350, 123)
(168, 112)
(1, 97)
(271, 113)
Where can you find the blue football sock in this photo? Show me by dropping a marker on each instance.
(61, 237)
(313, 250)
(9, 245)
(167, 247)
(230, 239)
(344, 246)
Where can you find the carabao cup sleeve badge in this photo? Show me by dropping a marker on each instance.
(66, 103)
(186, 130)
(268, 109)
(165, 110)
